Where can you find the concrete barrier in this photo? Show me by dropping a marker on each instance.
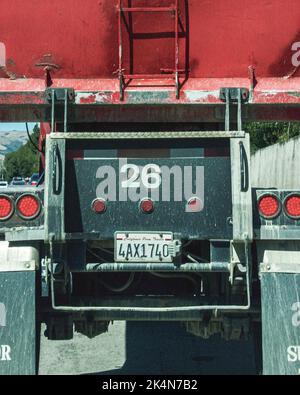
(277, 166)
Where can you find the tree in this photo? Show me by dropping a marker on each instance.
(264, 134)
(25, 161)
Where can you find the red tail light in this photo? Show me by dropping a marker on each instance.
(269, 206)
(28, 207)
(147, 206)
(6, 207)
(99, 206)
(292, 206)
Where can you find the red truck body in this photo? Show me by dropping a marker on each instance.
(224, 37)
(92, 47)
(132, 96)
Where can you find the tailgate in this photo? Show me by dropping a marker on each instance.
(199, 188)
(188, 182)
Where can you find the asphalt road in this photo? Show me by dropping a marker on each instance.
(146, 348)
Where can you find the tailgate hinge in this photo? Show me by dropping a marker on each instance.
(236, 96)
(59, 97)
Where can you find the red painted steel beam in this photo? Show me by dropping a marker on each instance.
(97, 100)
(275, 91)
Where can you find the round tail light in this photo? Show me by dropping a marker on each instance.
(147, 206)
(269, 206)
(292, 206)
(6, 207)
(99, 206)
(28, 207)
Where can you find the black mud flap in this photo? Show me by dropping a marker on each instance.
(18, 353)
(281, 323)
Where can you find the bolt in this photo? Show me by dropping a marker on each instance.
(230, 221)
(27, 265)
(268, 267)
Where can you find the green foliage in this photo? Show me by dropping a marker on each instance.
(269, 133)
(25, 161)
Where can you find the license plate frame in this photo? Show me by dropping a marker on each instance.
(143, 247)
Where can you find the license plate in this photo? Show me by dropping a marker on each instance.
(143, 247)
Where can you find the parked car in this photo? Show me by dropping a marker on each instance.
(34, 179)
(3, 184)
(18, 181)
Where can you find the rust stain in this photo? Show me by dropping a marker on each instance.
(47, 62)
(11, 62)
(9, 70)
(8, 74)
(91, 99)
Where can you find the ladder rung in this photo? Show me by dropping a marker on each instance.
(148, 76)
(148, 9)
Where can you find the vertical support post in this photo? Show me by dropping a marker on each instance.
(177, 49)
(120, 71)
(227, 113)
(66, 111)
(236, 97)
(239, 110)
(52, 111)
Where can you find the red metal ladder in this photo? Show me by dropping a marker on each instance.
(165, 73)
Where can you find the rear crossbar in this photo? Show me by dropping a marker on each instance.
(218, 267)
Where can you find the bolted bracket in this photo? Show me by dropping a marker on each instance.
(59, 94)
(234, 96)
(58, 97)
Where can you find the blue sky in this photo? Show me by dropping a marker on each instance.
(6, 127)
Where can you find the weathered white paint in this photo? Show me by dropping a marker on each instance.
(277, 166)
(18, 258)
